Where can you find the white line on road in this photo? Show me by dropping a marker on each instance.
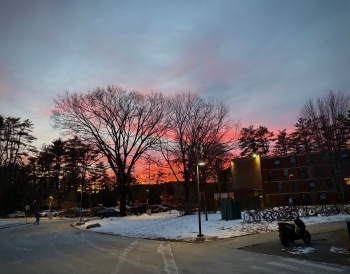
(289, 267)
(83, 239)
(170, 266)
(122, 257)
(315, 265)
(261, 269)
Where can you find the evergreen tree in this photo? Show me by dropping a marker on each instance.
(282, 143)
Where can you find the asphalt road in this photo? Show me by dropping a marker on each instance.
(56, 247)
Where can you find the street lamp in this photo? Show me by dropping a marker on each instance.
(291, 189)
(147, 198)
(81, 203)
(199, 163)
(50, 204)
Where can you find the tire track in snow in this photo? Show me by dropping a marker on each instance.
(170, 266)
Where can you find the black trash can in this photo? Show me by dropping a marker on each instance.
(230, 210)
(348, 225)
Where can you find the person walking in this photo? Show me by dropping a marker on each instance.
(37, 218)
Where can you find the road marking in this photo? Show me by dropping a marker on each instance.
(122, 257)
(83, 239)
(315, 265)
(170, 266)
(289, 267)
(261, 269)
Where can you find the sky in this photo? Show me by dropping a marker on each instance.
(264, 59)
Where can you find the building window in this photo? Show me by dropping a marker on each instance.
(319, 171)
(306, 198)
(323, 198)
(302, 173)
(292, 161)
(309, 160)
(329, 185)
(344, 157)
(270, 175)
(347, 181)
(312, 186)
(295, 186)
(277, 163)
(256, 193)
(286, 174)
(280, 187)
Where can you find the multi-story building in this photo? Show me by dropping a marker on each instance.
(275, 179)
(247, 181)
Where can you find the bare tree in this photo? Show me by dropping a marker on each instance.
(197, 126)
(327, 117)
(121, 124)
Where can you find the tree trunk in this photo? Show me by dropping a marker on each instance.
(122, 199)
(188, 209)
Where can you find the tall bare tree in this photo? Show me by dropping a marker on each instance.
(327, 117)
(121, 124)
(197, 126)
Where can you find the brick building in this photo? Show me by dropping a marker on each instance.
(275, 179)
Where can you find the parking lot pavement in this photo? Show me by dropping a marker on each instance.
(330, 247)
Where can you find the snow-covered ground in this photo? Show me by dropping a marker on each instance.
(175, 227)
(4, 223)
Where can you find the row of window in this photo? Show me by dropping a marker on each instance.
(301, 171)
(296, 187)
(308, 157)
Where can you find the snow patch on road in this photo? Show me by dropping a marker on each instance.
(300, 250)
(170, 266)
(339, 250)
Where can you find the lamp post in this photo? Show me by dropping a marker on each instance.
(149, 180)
(50, 204)
(81, 203)
(290, 182)
(291, 189)
(199, 163)
(147, 190)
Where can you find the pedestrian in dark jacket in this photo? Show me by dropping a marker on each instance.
(37, 218)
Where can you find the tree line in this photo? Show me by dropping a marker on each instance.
(108, 130)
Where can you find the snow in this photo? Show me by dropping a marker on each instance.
(4, 223)
(339, 250)
(302, 250)
(172, 226)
